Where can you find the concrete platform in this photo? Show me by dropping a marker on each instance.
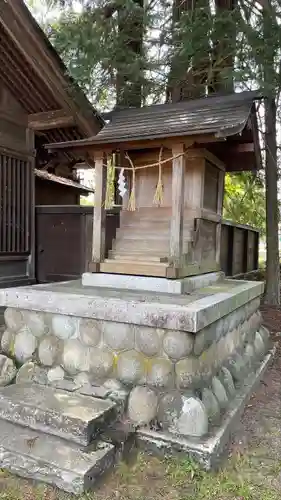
(145, 283)
(67, 415)
(188, 313)
(31, 454)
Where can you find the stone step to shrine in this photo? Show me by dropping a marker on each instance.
(43, 457)
(70, 416)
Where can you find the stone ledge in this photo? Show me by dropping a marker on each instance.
(74, 417)
(189, 313)
(209, 451)
(145, 283)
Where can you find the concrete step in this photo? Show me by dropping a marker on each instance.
(57, 412)
(35, 455)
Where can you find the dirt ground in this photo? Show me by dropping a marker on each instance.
(252, 470)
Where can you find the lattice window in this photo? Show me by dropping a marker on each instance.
(15, 204)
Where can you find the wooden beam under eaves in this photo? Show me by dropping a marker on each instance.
(48, 120)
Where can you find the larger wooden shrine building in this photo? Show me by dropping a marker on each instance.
(39, 104)
(173, 159)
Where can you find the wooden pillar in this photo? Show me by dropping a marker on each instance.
(176, 228)
(98, 248)
(30, 142)
(219, 210)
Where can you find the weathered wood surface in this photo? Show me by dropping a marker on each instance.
(178, 181)
(98, 252)
(239, 248)
(55, 262)
(61, 228)
(42, 70)
(47, 120)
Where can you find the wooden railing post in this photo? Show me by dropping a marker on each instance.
(176, 228)
(98, 248)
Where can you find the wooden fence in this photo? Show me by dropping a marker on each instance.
(239, 249)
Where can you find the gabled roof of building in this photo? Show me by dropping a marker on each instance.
(46, 176)
(221, 116)
(36, 76)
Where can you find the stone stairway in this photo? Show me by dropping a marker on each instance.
(55, 436)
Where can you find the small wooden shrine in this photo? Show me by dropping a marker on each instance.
(172, 160)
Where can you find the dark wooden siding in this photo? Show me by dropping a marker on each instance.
(15, 191)
(64, 240)
(16, 194)
(50, 193)
(16, 212)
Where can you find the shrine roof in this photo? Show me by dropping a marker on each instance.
(47, 176)
(36, 76)
(220, 116)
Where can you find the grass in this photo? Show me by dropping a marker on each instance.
(244, 477)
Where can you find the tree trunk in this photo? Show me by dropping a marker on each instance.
(224, 45)
(130, 61)
(188, 73)
(272, 294)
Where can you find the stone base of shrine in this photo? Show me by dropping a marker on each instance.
(210, 450)
(174, 362)
(144, 283)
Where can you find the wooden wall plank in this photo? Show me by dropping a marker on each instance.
(4, 205)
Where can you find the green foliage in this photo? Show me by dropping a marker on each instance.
(180, 471)
(244, 200)
(228, 43)
(85, 201)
